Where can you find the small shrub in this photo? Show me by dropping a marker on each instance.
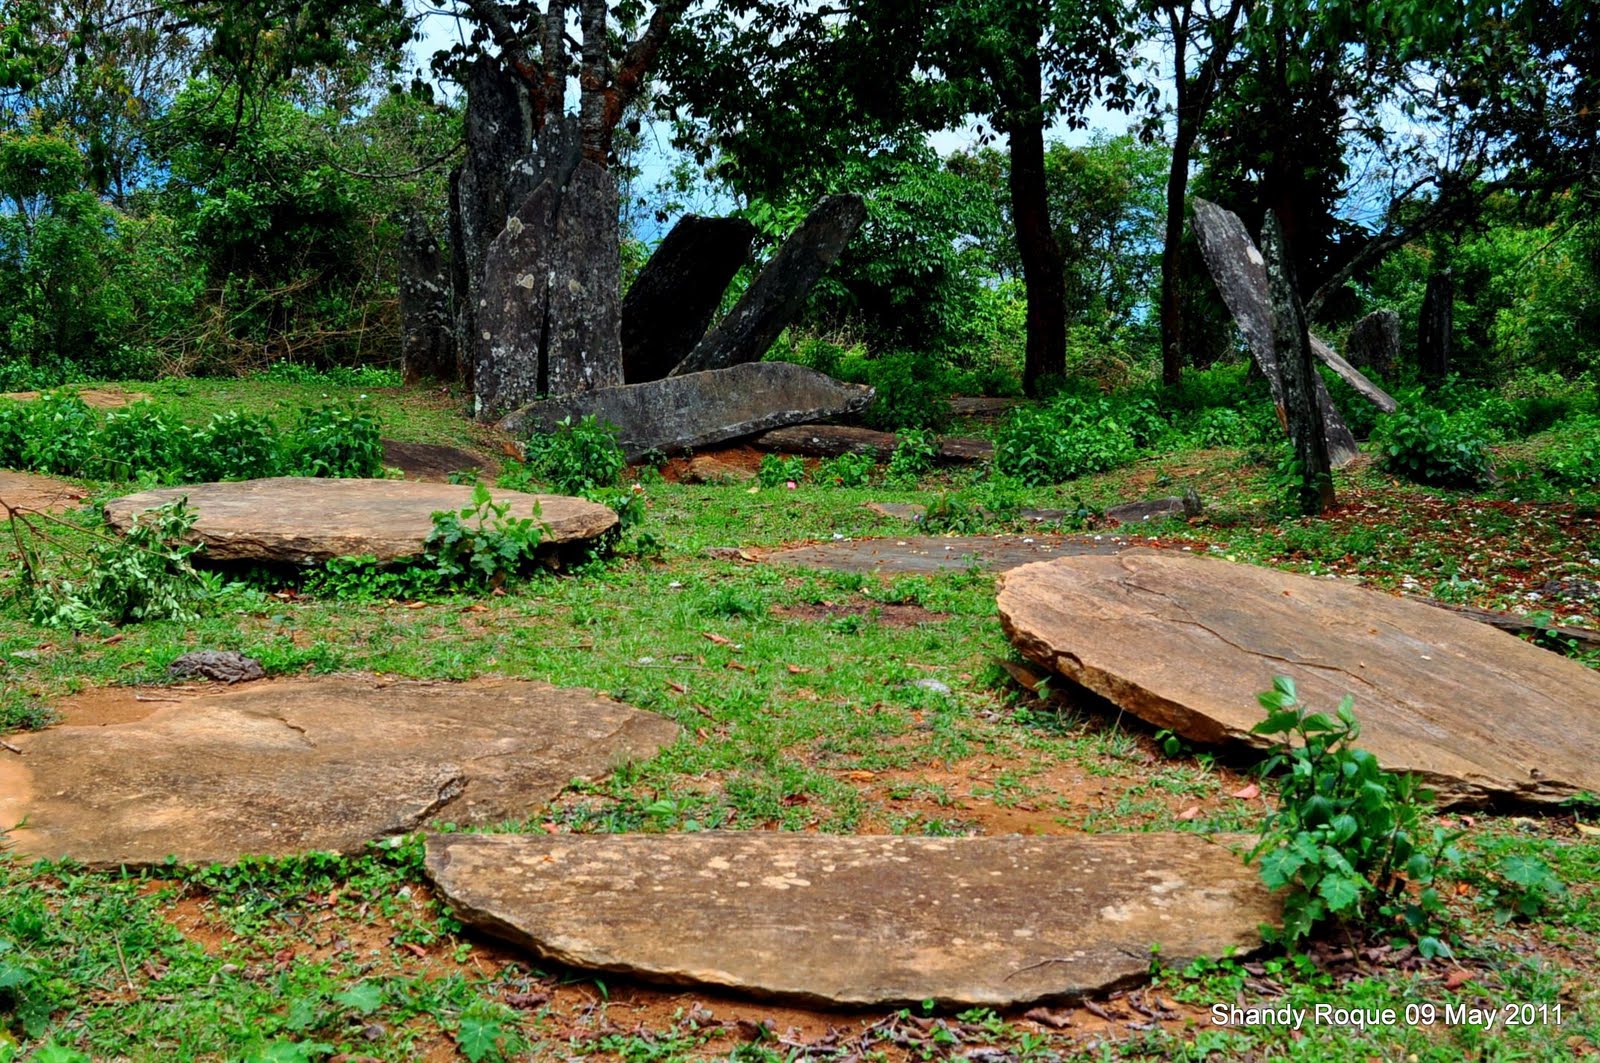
(337, 440)
(1521, 887)
(1430, 447)
(777, 469)
(58, 433)
(577, 459)
(145, 574)
(1346, 838)
(242, 446)
(911, 391)
(140, 441)
(358, 376)
(847, 470)
(1068, 438)
(1574, 459)
(914, 452)
(482, 543)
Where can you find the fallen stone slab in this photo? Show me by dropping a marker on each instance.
(707, 470)
(1155, 509)
(778, 294)
(1186, 643)
(1587, 638)
(700, 409)
(278, 768)
(935, 553)
(299, 521)
(832, 440)
(860, 920)
(39, 494)
(433, 461)
(95, 398)
(915, 511)
(671, 302)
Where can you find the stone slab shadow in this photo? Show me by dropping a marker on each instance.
(275, 768)
(299, 521)
(1186, 643)
(884, 921)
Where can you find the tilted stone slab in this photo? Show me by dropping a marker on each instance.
(1186, 643)
(671, 302)
(1241, 275)
(40, 494)
(683, 412)
(297, 520)
(277, 768)
(778, 294)
(943, 553)
(433, 461)
(860, 920)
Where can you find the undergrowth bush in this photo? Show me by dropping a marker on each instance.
(914, 452)
(909, 391)
(1573, 461)
(1429, 446)
(1347, 839)
(846, 470)
(483, 543)
(776, 470)
(578, 458)
(1072, 436)
(57, 433)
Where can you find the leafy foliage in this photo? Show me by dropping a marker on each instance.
(336, 440)
(846, 470)
(776, 470)
(1346, 839)
(914, 452)
(1430, 447)
(483, 544)
(145, 574)
(577, 458)
(1072, 436)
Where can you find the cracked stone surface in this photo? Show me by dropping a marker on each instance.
(43, 494)
(860, 920)
(277, 768)
(1186, 643)
(295, 520)
(942, 553)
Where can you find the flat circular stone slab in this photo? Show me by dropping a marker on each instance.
(860, 920)
(1186, 643)
(95, 398)
(43, 494)
(277, 768)
(934, 553)
(297, 520)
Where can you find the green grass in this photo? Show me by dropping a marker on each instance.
(778, 717)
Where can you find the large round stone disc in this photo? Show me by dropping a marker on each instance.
(298, 520)
(1186, 643)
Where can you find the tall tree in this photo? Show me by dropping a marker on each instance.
(879, 67)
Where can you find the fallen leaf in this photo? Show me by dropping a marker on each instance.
(1056, 1020)
(795, 669)
(1249, 793)
(1455, 979)
(1588, 828)
(1192, 812)
(679, 687)
(720, 640)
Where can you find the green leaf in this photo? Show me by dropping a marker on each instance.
(1341, 892)
(479, 1039)
(364, 998)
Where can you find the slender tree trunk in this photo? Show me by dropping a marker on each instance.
(1172, 352)
(1042, 274)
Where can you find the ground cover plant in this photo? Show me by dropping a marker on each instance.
(804, 713)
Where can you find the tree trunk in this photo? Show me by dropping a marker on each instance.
(1042, 274)
(1435, 327)
(1172, 353)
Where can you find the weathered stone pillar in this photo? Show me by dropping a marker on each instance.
(1435, 327)
(1374, 342)
(427, 328)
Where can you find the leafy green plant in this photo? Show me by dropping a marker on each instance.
(243, 446)
(1428, 446)
(914, 452)
(138, 441)
(1346, 839)
(776, 470)
(1521, 886)
(909, 391)
(1070, 437)
(1573, 461)
(846, 470)
(336, 440)
(482, 543)
(145, 574)
(577, 458)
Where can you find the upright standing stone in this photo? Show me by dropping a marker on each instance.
(673, 299)
(1435, 326)
(583, 345)
(499, 132)
(1298, 368)
(1374, 342)
(1240, 273)
(427, 331)
(779, 293)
